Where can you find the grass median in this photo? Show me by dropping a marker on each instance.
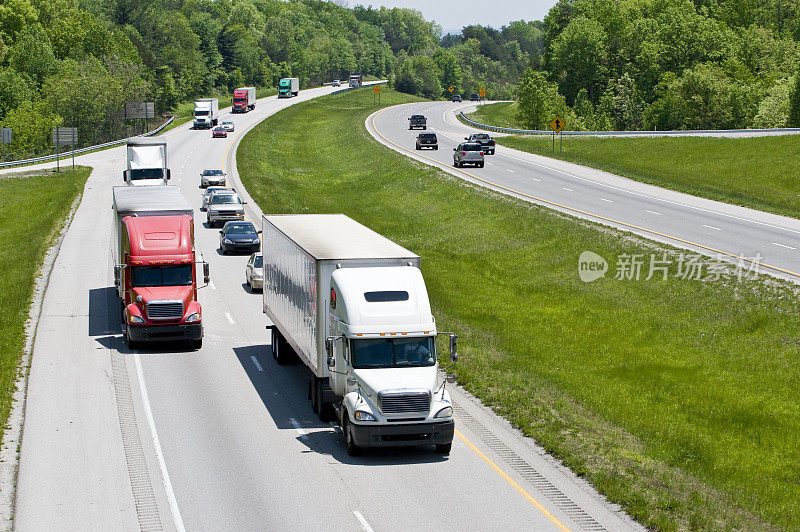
(501, 114)
(676, 397)
(32, 211)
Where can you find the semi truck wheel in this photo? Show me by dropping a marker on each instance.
(444, 448)
(352, 448)
(281, 350)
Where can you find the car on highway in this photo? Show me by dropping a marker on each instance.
(475, 97)
(207, 194)
(219, 132)
(210, 177)
(254, 272)
(468, 153)
(417, 121)
(228, 125)
(427, 140)
(484, 140)
(456, 97)
(224, 206)
(239, 236)
(337, 83)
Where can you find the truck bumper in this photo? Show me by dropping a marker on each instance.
(403, 435)
(165, 333)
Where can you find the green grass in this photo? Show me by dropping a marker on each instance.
(503, 114)
(678, 399)
(32, 210)
(759, 172)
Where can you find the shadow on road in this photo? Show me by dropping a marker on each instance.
(104, 311)
(284, 392)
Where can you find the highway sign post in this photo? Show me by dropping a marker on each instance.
(557, 125)
(5, 138)
(376, 90)
(139, 110)
(482, 94)
(65, 136)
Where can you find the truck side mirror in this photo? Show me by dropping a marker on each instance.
(169, 176)
(451, 378)
(329, 349)
(331, 362)
(206, 274)
(453, 347)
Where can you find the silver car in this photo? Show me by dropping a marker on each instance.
(254, 272)
(468, 153)
(207, 195)
(228, 125)
(224, 206)
(212, 177)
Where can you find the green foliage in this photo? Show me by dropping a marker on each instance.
(579, 56)
(32, 124)
(793, 119)
(419, 75)
(539, 101)
(31, 54)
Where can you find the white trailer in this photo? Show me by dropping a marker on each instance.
(146, 161)
(206, 113)
(352, 305)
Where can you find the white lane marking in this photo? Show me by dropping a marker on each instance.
(230, 318)
(364, 525)
(568, 189)
(783, 245)
(656, 198)
(604, 199)
(300, 431)
(212, 285)
(162, 465)
(712, 227)
(255, 363)
(510, 170)
(653, 212)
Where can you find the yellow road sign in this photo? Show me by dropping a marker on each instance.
(377, 89)
(451, 88)
(557, 124)
(482, 93)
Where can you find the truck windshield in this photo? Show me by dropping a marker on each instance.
(201, 113)
(146, 173)
(143, 276)
(393, 353)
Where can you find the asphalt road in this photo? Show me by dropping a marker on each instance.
(223, 438)
(767, 242)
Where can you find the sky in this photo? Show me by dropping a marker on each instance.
(453, 15)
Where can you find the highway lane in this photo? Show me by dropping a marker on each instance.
(224, 438)
(705, 226)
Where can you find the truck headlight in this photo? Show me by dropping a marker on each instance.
(256, 241)
(193, 317)
(364, 416)
(133, 318)
(444, 412)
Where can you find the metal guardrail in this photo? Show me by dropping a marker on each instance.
(686, 132)
(46, 158)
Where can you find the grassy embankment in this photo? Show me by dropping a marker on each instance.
(676, 398)
(760, 172)
(503, 114)
(32, 211)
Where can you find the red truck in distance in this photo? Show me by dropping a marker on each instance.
(244, 99)
(154, 267)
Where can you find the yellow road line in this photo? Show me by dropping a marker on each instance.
(511, 481)
(587, 213)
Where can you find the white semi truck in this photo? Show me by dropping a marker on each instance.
(352, 305)
(206, 113)
(146, 161)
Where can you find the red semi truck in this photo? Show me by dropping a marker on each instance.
(244, 99)
(155, 266)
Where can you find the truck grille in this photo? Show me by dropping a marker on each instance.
(405, 402)
(227, 213)
(165, 310)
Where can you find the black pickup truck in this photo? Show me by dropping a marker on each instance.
(485, 141)
(417, 121)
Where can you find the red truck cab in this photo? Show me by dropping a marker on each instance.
(244, 99)
(158, 280)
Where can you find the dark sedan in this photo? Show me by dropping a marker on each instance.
(239, 236)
